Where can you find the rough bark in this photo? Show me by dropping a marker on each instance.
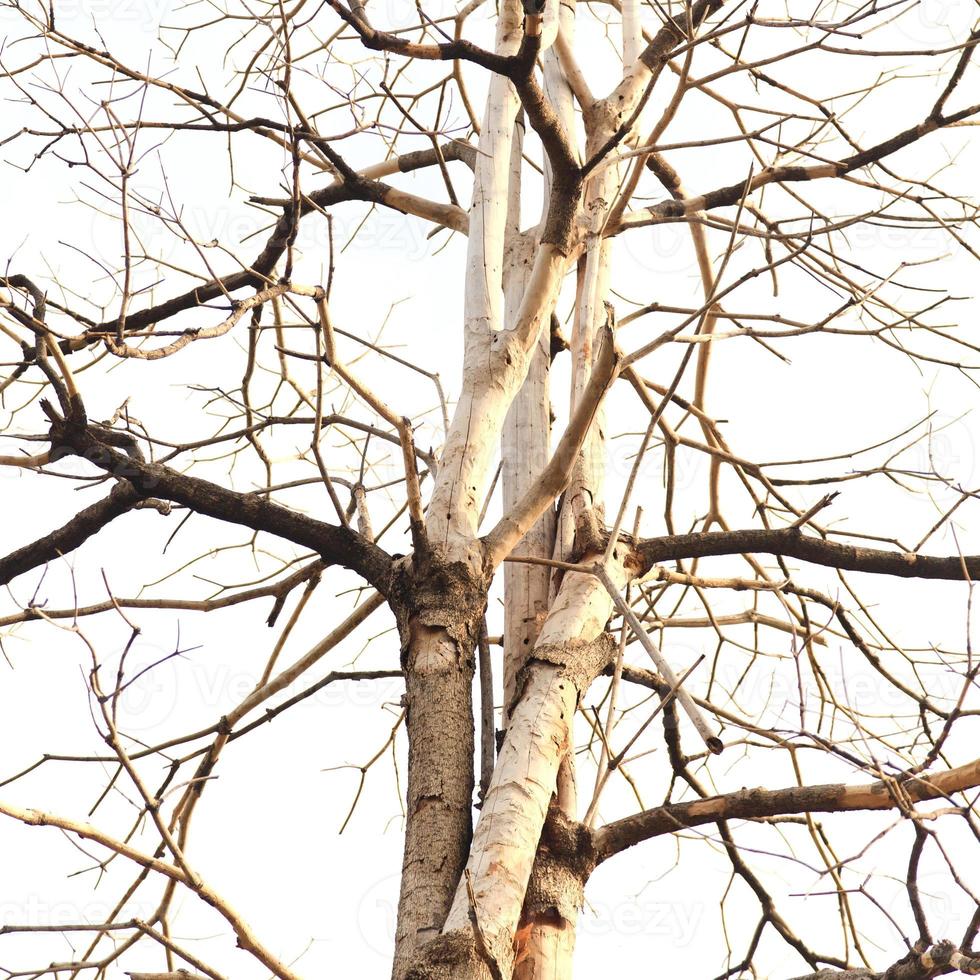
(572, 650)
(440, 607)
(545, 940)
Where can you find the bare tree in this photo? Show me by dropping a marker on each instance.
(773, 139)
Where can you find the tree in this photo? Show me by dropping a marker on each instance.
(259, 412)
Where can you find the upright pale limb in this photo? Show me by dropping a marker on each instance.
(438, 635)
(571, 651)
(525, 448)
(455, 505)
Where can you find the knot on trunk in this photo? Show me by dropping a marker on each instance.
(451, 956)
(565, 859)
(429, 593)
(579, 661)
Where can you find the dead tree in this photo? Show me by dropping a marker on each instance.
(467, 522)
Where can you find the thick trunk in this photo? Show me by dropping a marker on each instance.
(438, 658)
(545, 940)
(582, 512)
(440, 608)
(478, 939)
(442, 594)
(551, 918)
(490, 373)
(525, 446)
(438, 635)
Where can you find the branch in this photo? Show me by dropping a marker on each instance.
(921, 963)
(278, 590)
(791, 543)
(657, 53)
(711, 740)
(555, 476)
(337, 545)
(400, 423)
(124, 497)
(84, 831)
(365, 187)
(734, 193)
(457, 50)
(748, 803)
(175, 975)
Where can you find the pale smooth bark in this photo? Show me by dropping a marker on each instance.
(632, 32)
(502, 902)
(546, 945)
(495, 881)
(583, 497)
(555, 476)
(489, 376)
(525, 445)
(438, 641)
(551, 937)
(549, 948)
(444, 597)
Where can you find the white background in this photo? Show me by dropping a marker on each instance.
(266, 835)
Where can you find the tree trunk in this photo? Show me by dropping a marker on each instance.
(477, 941)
